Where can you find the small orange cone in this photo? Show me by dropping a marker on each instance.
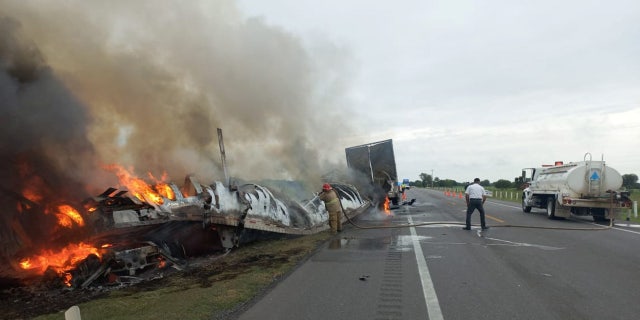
(461, 196)
(446, 193)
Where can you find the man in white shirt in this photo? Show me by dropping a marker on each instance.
(475, 197)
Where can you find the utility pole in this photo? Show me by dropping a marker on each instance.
(223, 156)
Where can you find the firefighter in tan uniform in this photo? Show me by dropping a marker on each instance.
(332, 203)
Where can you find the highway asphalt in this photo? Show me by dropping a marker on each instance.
(385, 269)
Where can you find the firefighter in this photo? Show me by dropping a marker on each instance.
(333, 206)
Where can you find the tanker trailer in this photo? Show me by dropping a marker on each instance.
(581, 188)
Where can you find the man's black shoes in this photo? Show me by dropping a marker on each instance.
(485, 228)
(466, 228)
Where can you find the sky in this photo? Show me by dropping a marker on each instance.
(480, 88)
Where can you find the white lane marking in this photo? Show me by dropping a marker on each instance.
(524, 244)
(627, 224)
(625, 230)
(504, 205)
(429, 292)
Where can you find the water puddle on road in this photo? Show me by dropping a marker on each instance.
(407, 240)
(397, 243)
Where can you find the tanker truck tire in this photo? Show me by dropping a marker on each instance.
(599, 215)
(525, 208)
(551, 208)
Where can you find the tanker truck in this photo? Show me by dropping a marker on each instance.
(580, 188)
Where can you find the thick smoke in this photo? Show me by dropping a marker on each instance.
(45, 153)
(158, 78)
(145, 84)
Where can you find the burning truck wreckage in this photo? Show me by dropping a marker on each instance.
(125, 235)
(68, 226)
(152, 226)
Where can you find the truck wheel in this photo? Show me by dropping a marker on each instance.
(551, 208)
(525, 208)
(599, 215)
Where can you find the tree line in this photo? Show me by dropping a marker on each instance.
(629, 181)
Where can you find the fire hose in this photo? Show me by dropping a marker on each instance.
(409, 225)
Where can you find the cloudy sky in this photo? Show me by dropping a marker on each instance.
(480, 88)
(464, 88)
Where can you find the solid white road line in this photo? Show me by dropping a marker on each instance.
(429, 292)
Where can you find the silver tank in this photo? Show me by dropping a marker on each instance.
(578, 179)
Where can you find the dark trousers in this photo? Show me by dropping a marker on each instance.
(473, 205)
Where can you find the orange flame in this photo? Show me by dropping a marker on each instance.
(32, 195)
(61, 262)
(161, 263)
(163, 188)
(166, 191)
(136, 186)
(64, 221)
(387, 207)
(67, 214)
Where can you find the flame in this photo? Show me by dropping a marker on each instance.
(61, 262)
(68, 214)
(386, 206)
(67, 279)
(138, 187)
(32, 195)
(64, 220)
(165, 190)
(35, 191)
(161, 263)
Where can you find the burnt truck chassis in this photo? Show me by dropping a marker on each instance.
(117, 216)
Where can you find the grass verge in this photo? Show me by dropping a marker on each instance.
(207, 292)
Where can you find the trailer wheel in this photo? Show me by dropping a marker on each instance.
(599, 215)
(525, 208)
(551, 208)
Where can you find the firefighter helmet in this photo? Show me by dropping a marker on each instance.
(326, 186)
